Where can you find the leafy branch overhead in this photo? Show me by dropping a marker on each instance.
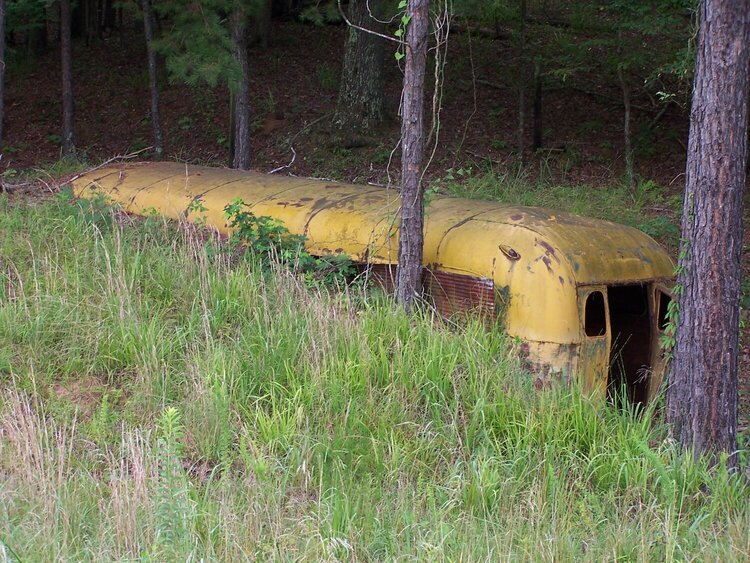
(401, 31)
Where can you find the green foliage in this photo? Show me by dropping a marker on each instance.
(196, 207)
(172, 510)
(270, 241)
(96, 210)
(101, 426)
(400, 33)
(327, 76)
(197, 43)
(197, 46)
(265, 237)
(322, 13)
(23, 17)
(651, 42)
(668, 339)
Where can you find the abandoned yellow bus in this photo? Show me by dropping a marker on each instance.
(586, 298)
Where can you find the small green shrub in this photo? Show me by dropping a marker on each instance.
(268, 240)
(97, 210)
(172, 512)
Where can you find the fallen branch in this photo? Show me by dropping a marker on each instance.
(105, 163)
(294, 157)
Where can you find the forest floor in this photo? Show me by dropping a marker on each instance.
(294, 90)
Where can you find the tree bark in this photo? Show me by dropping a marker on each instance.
(66, 59)
(94, 30)
(361, 93)
(2, 69)
(625, 87)
(108, 17)
(241, 134)
(702, 392)
(148, 28)
(411, 232)
(520, 145)
(262, 23)
(285, 9)
(538, 137)
(231, 127)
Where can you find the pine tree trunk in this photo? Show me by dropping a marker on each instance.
(148, 28)
(285, 9)
(538, 137)
(88, 16)
(66, 56)
(627, 135)
(241, 157)
(702, 392)
(231, 127)
(520, 145)
(36, 36)
(411, 232)
(94, 30)
(625, 87)
(2, 69)
(361, 93)
(108, 16)
(262, 23)
(84, 13)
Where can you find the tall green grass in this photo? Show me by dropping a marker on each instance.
(164, 402)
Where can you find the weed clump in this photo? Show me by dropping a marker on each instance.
(269, 241)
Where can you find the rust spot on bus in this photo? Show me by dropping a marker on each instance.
(548, 249)
(548, 263)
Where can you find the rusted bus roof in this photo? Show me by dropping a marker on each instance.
(595, 251)
(535, 256)
(336, 217)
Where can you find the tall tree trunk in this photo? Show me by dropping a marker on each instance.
(148, 28)
(2, 69)
(85, 7)
(625, 87)
(95, 30)
(538, 138)
(285, 9)
(520, 145)
(90, 20)
(108, 17)
(411, 232)
(231, 127)
(241, 133)
(702, 392)
(36, 36)
(66, 56)
(261, 22)
(361, 93)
